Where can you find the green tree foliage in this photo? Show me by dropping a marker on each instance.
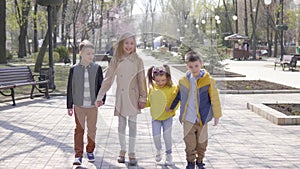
(22, 9)
(191, 41)
(63, 53)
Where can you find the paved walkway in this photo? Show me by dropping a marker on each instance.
(264, 70)
(39, 134)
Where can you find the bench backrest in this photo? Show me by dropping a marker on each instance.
(101, 57)
(287, 58)
(14, 75)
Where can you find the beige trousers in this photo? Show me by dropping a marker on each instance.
(195, 139)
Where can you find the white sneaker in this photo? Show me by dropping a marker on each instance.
(158, 156)
(169, 160)
(77, 161)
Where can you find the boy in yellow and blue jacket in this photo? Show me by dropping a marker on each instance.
(199, 103)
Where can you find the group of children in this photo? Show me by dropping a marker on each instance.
(196, 92)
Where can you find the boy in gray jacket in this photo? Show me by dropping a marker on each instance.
(84, 82)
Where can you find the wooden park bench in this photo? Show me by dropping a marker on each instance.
(13, 77)
(288, 61)
(297, 55)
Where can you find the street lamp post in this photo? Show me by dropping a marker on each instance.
(29, 46)
(203, 22)
(112, 18)
(297, 32)
(212, 18)
(281, 32)
(178, 30)
(235, 18)
(50, 36)
(268, 3)
(218, 22)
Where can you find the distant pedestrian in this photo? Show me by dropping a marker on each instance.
(161, 92)
(199, 103)
(84, 82)
(131, 93)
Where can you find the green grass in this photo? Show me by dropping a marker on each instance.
(61, 73)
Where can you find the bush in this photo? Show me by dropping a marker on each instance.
(9, 54)
(161, 54)
(46, 57)
(182, 50)
(63, 53)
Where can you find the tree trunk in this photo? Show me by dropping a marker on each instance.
(228, 18)
(254, 23)
(101, 24)
(55, 30)
(3, 32)
(22, 20)
(63, 16)
(276, 33)
(22, 41)
(40, 57)
(23, 12)
(35, 32)
(246, 18)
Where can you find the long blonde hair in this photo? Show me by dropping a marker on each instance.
(119, 46)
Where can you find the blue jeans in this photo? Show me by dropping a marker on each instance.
(166, 125)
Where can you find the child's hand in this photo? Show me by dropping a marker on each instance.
(70, 112)
(216, 121)
(98, 103)
(142, 105)
(168, 109)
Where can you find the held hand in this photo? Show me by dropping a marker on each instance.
(168, 109)
(216, 121)
(98, 103)
(142, 105)
(70, 112)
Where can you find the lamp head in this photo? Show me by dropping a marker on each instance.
(234, 17)
(267, 2)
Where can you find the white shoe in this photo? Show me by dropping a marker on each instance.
(158, 156)
(77, 161)
(169, 160)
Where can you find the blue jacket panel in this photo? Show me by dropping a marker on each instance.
(207, 98)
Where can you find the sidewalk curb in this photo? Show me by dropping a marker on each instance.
(257, 91)
(273, 115)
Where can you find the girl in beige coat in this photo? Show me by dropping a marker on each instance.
(131, 94)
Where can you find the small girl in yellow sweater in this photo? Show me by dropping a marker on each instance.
(161, 93)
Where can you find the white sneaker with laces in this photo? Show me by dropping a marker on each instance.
(169, 160)
(158, 156)
(77, 161)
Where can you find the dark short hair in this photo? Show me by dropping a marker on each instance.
(192, 56)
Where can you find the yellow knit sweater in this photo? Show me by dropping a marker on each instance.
(158, 99)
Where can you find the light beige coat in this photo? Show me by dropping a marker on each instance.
(131, 84)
